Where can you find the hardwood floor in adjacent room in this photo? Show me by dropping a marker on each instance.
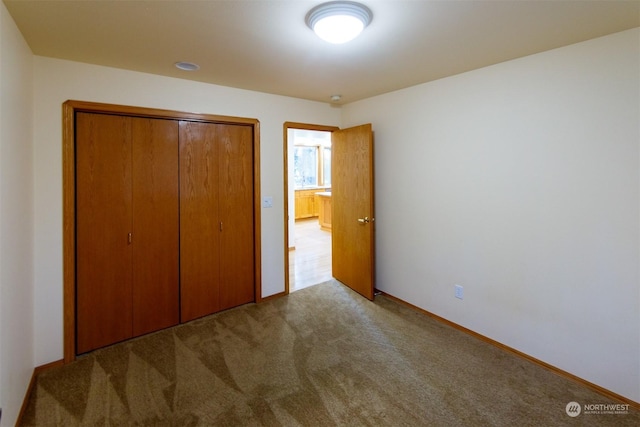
(310, 261)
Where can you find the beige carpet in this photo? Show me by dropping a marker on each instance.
(321, 356)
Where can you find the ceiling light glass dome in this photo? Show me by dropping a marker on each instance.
(339, 21)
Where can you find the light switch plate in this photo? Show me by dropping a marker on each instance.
(267, 202)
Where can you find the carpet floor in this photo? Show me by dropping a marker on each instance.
(321, 356)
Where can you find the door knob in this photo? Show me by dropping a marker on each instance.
(364, 220)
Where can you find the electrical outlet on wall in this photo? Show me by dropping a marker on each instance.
(459, 291)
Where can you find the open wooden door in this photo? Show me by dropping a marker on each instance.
(352, 208)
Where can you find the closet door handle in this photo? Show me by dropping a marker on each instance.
(129, 238)
(220, 225)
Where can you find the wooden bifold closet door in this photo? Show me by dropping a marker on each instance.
(217, 263)
(127, 235)
(164, 223)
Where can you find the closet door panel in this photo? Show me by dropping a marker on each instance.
(103, 215)
(199, 221)
(235, 175)
(155, 235)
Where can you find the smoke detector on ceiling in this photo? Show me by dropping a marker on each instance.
(187, 66)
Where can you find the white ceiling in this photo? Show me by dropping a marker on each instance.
(265, 45)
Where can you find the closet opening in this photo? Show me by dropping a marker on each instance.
(162, 217)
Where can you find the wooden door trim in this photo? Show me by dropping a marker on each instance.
(286, 127)
(69, 108)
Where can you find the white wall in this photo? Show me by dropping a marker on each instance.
(520, 182)
(57, 81)
(16, 218)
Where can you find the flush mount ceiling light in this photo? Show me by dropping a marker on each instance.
(339, 21)
(187, 66)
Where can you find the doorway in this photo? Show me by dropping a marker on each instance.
(307, 152)
(351, 205)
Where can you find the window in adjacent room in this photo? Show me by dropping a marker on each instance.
(312, 158)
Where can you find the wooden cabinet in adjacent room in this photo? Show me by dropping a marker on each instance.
(216, 217)
(126, 227)
(306, 204)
